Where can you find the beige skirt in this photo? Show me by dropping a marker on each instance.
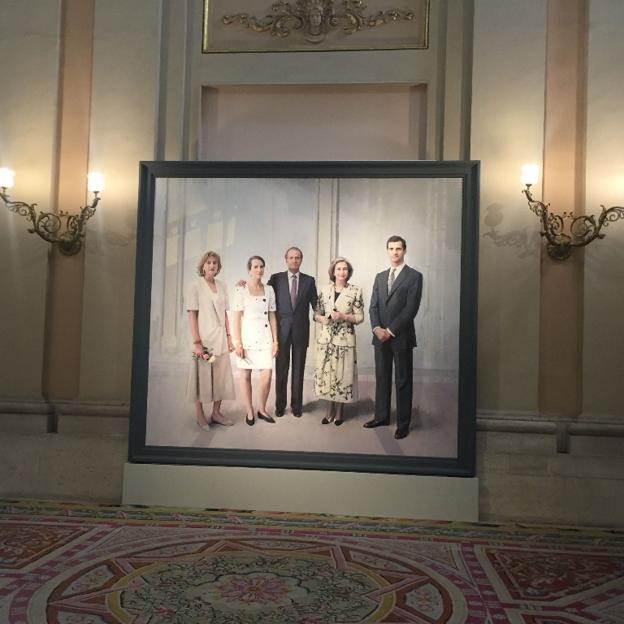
(211, 382)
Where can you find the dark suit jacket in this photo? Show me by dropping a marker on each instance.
(294, 323)
(396, 310)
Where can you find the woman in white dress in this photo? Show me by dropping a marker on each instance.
(254, 328)
(340, 307)
(210, 377)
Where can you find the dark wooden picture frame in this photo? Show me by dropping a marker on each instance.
(459, 178)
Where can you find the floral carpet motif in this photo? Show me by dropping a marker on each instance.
(79, 564)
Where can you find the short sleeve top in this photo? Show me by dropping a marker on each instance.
(255, 326)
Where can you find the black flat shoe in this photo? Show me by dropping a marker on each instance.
(326, 420)
(338, 422)
(250, 420)
(266, 417)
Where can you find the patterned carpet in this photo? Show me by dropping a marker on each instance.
(79, 564)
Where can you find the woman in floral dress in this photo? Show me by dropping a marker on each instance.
(339, 309)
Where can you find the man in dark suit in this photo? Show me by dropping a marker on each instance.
(394, 304)
(295, 294)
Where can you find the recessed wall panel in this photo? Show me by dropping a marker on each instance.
(349, 122)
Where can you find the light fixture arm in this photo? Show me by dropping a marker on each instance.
(67, 230)
(582, 231)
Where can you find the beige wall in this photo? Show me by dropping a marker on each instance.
(398, 67)
(484, 100)
(124, 118)
(603, 364)
(507, 130)
(531, 466)
(28, 108)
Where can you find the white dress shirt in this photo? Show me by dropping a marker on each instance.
(397, 270)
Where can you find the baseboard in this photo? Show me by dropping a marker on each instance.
(119, 409)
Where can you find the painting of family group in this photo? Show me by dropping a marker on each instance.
(306, 315)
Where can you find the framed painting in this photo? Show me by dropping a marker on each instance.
(314, 25)
(357, 211)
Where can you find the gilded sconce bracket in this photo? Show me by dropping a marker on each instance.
(582, 230)
(67, 230)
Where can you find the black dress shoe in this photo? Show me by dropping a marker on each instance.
(399, 434)
(279, 414)
(297, 414)
(266, 417)
(371, 424)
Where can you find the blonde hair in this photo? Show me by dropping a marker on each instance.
(204, 258)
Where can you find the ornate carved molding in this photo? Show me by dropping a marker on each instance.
(315, 19)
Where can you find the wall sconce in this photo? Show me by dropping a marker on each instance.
(63, 229)
(582, 230)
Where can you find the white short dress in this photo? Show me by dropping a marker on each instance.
(256, 333)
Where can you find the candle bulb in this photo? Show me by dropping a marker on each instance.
(95, 182)
(530, 174)
(7, 178)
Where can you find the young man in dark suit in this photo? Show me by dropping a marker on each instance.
(394, 304)
(295, 294)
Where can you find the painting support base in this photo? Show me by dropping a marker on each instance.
(307, 491)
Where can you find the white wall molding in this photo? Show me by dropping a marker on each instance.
(41, 407)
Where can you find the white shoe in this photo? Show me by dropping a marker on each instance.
(221, 420)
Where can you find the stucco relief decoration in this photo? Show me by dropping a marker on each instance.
(314, 25)
(315, 19)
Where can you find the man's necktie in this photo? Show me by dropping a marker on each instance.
(293, 291)
(391, 279)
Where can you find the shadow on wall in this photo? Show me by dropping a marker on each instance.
(527, 243)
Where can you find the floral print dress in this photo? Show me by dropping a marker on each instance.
(335, 374)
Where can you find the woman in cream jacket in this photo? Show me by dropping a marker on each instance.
(210, 377)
